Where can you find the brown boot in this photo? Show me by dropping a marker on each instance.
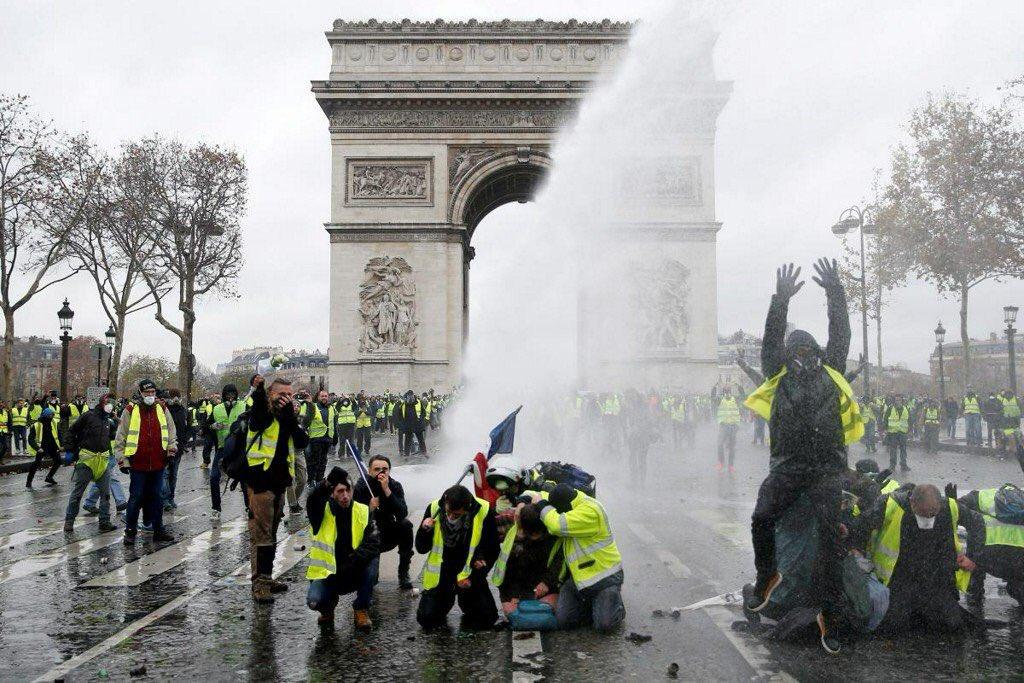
(278, 586)
(326, 618)
(261, 590)
(362, 619)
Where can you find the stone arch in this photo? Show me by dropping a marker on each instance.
(513, 175)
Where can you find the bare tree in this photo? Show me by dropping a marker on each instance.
(46, 184)
(946, 199)
(191, 200)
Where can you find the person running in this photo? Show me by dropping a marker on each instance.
(44, 441)
(89, 441)
(812, 416)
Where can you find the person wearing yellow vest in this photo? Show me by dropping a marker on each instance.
(1011, 418)
(364, 426)
(812, 416)
(5, 429)
(273, 440)
(346, 421)
(1003, 553)
(592, 592)
(223, 416)
(459, 537)
(74, 410)
(728, 418)
(320, 420)
(19, 427)
(89, 442)
(917, 555)
(530, 564)
(44, 441)
(896, 420)
(344, 550)
(677, 414)
(931, 422)
(206, 428)
(409, 421)
(971, 407)
(145, 438)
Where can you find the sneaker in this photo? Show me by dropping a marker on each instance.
(326, 618)
(145, 528)
(107, 526)
(404, 583)
(129, 536)
(829, 636)
(69, 526)
(91, 509)
(278, 586)
(122, 507)
(204, 466)
(763, 592)
(50, 482)
(162, 537)
(261, 590)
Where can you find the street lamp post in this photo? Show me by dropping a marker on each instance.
(99, 364)
(856, 218)
(940, 337)
(1010, 316)
(65, 314)
(111, 336)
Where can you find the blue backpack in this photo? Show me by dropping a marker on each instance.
(1010, 504)
(567, 473)
(532, 615)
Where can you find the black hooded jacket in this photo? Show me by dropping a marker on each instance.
(806, 427)
(453, 558)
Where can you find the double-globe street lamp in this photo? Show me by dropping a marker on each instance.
(65, 314)
(855, 218)
(1010, 317)
(940, 337)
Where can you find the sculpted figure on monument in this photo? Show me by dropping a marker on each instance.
(660, 294)
(387, 304)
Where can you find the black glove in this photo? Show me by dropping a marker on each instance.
(951, 491)
(786, 284)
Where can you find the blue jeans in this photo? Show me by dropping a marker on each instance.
(116, 489)
(144, 492)
(170, 479)
(973, 428)
(215, 478)
(323, 593)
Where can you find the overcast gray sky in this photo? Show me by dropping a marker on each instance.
(821, 90)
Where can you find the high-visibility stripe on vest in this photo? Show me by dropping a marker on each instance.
(131, 439)
(931, 416)
(317, 426)
(37, 427)
(1010, 406)
(432, 568)
(971, 406)
(996, 532)
(849, 412)
(589, 546)
(19, 416)
(898, 421)
(887, 547)
(322, 562)
(346, 415)
(264, 446)
(728, 412)
(34, 412)
(363, 419)
(501, 564)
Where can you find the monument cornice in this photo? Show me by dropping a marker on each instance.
(447, 114)
(395, 232)
(347, 87)
(506, 28)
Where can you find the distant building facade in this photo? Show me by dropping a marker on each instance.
(34, 359)
(990, 364)
(243, 360)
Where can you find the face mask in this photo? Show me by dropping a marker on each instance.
(53, 401)
(925, 522)
(149, 400)
(107, 408)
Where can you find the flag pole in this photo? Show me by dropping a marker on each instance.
(348, 447)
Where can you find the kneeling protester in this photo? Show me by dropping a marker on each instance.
(528, 573)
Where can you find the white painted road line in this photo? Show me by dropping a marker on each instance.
(47, 527)
(45, 499)
(751, 649)
(146, 567)
(671, 562)
(52, 558)
(527, 653)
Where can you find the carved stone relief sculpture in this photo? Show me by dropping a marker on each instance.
(387, 306)
(660, 293)
(380, 182)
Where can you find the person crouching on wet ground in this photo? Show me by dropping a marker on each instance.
(386, 499)
(529, 564)
(272, 440)
(344, 550)
(460, 539)
(89, 442)
(593, 592)
(145, 438)
(917, 554)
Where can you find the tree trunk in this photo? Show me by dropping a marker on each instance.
(184, 357)
(115, 362)
(878, 333)
(7, 376)
(964, 338)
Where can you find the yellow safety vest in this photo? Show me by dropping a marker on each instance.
(611, 406)
(97, 462)
(131, 440)
(35, 411)
(996, 532)
(679, 412)
(498, 573)
(590, 550)
(38, 428)
(264, 445)
(971, 406)
(346, 415)
(74, 413)
(322, 562)
(4, 421)
(1010, 407)
(221, 415)
(728, 412)
(432, 568)
(363, 419)
(931, 416)
(20, 417)
(853, 427)
(899, 420)
(317, 426)
(428, 408)
(887, 547)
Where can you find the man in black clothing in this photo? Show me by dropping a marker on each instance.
(409, 420)
(352, 569)
(808, 452)
(386, 498)
(922, 584)
(447, 530)
(44, 441)
(89, 439)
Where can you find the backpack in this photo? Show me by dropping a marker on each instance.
(551, 473)
(1010, 504)
(233, 462)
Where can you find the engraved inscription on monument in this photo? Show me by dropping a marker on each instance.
(387, 305)
(389, 182)
(670, 180)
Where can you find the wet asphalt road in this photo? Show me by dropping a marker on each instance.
(89, 608)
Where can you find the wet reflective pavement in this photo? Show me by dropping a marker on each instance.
(86, 607)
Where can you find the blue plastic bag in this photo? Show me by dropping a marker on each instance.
(532, 615)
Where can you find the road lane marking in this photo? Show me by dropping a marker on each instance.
(671, 562)
(48, 527)
(751, 649)
(526, 656)
(153, 564)
(45, 499)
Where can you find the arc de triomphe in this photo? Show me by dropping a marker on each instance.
(432, 126)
